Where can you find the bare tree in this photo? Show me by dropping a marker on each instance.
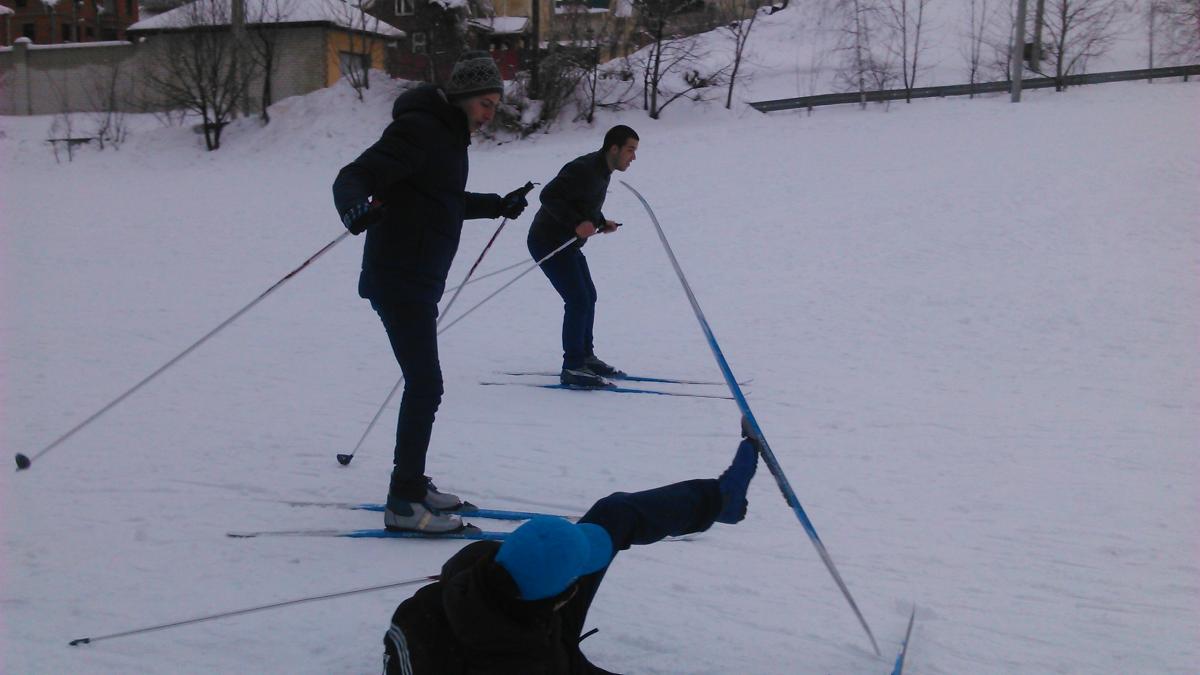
(906, 18)
(975, 38)
(263, 19)
(1078, 31)
(864, 67)
(62, 128)
(105, 95)
(739, 16)
(1177, 24)
(362, 39)
(673, 65)
(200, 68)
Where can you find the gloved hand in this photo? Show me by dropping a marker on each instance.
(514, 203)
(358, 218)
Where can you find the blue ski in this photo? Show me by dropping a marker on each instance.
(898, 668)
(469, 510)
(631, 378)
(468, 532)
(615, 390)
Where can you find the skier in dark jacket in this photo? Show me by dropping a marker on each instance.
(407, 192)
(519, 607)
(571, 204)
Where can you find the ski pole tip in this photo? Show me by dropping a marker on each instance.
(80, 641)
(344, 460)
(23, 462)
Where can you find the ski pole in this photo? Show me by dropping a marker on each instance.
(768, 455)
(24, 462)
(249, 610)
(345, 459)
(481, 277)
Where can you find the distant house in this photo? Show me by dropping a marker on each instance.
(509, 29)
(47, 23)
(316, 41)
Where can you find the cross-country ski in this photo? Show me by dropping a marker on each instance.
(626, 377)
(611, 389)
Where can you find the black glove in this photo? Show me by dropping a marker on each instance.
(358, 218)
(513, 203)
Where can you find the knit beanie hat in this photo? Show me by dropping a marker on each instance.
(474, 74)
(546, 555)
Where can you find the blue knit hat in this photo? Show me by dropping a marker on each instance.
(546, 555)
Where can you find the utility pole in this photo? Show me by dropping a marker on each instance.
(1018, 52)
(237, 25)
(1039, 18)
(536, 52)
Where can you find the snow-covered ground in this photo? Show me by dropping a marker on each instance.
(972, 329)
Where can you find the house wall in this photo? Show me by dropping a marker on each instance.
(48, 79)
(338, 41)
(301, 64)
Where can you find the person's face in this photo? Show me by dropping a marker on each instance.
(480, 110)
(621, 158)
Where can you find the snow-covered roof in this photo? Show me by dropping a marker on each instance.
(216, 13)
(6, 10)
(501, 25)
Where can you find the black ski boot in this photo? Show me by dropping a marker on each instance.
(582, 378)
(594, 364)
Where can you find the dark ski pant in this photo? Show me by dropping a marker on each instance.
(568, 273)
(412, 329)
(642, 518)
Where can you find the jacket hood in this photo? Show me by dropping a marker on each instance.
(431, 100)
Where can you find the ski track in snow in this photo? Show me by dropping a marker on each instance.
(974, 357)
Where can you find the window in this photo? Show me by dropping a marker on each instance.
(29, 30)
(564, 6)
(404, 7)
(418, 43)
(88, 32)
(21, 3)
(354, 65)
(65, 35)
(129, 7)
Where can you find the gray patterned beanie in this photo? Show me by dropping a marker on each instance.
(474, 74)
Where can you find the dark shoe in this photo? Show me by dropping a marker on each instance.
(441, 501)
(416, 517)
(601, 368)
(734, 482)
(582, 378)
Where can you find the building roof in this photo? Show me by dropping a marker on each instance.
(216, 13)
(6, 10)
(501, 25)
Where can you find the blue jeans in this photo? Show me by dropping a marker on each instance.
(568, 273)
(412, 329)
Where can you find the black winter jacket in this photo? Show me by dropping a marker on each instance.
(576, 194)
(418, 170)
(471, 623)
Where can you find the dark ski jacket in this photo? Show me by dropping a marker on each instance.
(576, 194)
(418, 170)
(471, 623)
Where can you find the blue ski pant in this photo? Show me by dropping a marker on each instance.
(568, 273)
(642, 518)
(412, 329)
